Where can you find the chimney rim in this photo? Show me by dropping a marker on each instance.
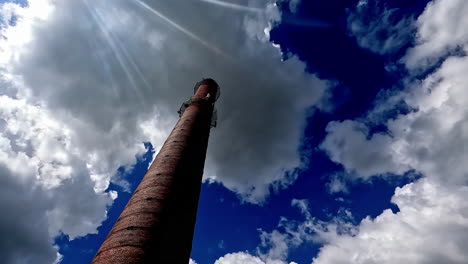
(209, 82)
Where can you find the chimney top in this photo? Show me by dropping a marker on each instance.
(210, 89)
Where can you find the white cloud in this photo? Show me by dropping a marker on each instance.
(245, 258)
(432, 224)
(441, 30)
(431, 227)
(379, 28)
(337, 184)
(303, 205)
(85, 83)
(276, 244)
(191, 261)
(239, 258)
(428, 139)
(432, 221)
(47, 185)
(347, 143)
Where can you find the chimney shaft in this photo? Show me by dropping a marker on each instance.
(158, 222)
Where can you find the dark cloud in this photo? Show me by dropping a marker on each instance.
(23, 225)
(108, 68)
(85, 83)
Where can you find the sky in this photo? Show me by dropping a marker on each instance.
(341, 126)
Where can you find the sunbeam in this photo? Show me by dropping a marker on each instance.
(127, 55)
(119, 52)
(106, 66)
(181, 29)
(305, 22)
(234, 6)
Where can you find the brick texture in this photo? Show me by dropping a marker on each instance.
(157, 224)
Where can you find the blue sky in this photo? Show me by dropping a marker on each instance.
(332, 54)
(340, 137)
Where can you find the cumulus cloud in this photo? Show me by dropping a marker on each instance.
(347, 143)
(432, 221)
(246, 258)
(239, 258)
(46, 190)
(85, 83)
(137, 62)
(441, 32)
(427, 139)
(23, 226)
(431, 227)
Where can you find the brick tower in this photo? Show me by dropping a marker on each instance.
(158, 222)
